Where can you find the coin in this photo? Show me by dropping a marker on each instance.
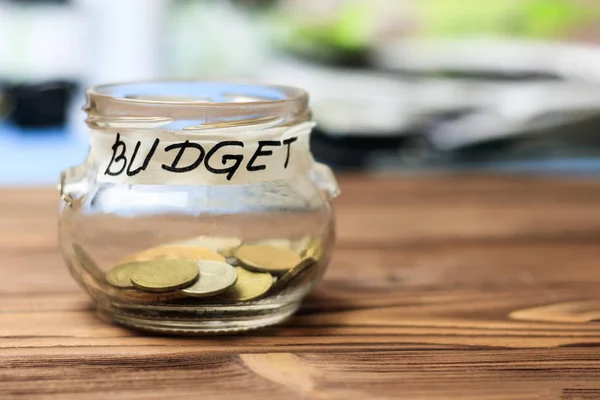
(132, 294)
(280, 243)
(249, 285)
(164, 275)
(220, 244)
(215, 277)
(87, 263)
(292, 275)
(176, 252)
(264, 258)
(315, 249)
(120, 275)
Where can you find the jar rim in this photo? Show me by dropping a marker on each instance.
(194, 104)
(197, 93)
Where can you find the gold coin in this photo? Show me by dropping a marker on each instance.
(280, 243)
(220, 244)
(120, 275)
(292, 275)
(176, 252)
(315, 249)
(215, 277)
(87, 263)
(264, 258)
(249, 285)
(164, 275)
(136, 295)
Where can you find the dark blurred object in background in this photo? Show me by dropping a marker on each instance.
(38, 105)
(40, 62)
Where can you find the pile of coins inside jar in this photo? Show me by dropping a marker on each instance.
(218, 269)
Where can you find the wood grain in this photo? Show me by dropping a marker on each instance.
(470, 287)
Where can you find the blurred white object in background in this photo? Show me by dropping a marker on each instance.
(349, 102)
(528, 109)
(125, 39)
(490, 55)
(40, 42)
(208, 38)
(567, 92)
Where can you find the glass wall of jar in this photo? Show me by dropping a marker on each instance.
(199, 208)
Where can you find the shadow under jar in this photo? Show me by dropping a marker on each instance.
(199, 208)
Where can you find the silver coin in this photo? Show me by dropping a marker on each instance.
(215, 278)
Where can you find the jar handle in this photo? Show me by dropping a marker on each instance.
(60, 186)
(73, 181)
(324, 178)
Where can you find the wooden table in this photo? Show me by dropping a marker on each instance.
(471, 287)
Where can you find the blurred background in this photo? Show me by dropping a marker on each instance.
(396, 85)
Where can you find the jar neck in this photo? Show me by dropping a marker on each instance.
(190, 106)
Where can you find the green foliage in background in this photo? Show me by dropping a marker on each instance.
(524, 18)
(350, 29)
(354, 26)
(552, 18)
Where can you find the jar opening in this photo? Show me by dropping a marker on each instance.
(197, 102)
(190, 93)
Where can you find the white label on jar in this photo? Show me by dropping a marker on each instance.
(216, 157)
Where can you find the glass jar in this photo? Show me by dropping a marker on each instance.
(199, 208)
